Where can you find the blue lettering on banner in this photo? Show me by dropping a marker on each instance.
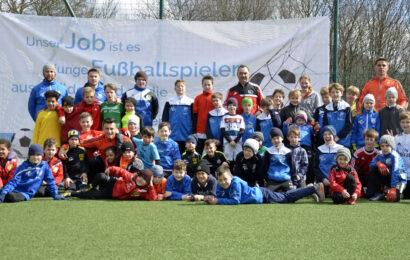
(163, 69)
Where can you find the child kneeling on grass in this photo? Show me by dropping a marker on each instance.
(345, 185)
(120, 184)
(231, 190)
(28, 178)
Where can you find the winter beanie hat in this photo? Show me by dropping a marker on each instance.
(387, 139)
(345, 152)
(252, 144)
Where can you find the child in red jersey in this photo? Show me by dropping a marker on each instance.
(56, 166)
(8, 162)
(363, 156)
(345, 186)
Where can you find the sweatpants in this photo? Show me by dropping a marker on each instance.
(14, 197)
(105, 186)
(349, 185)
(276, 186)
(406, 192)
(376, 181)
(286, 197)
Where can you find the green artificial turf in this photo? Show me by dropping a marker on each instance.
(49, 229)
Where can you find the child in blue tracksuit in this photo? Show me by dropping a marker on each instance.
(325, 156)
(232, 190)
(266, 120)
(213, 125)
(306, 140)
(368, 119)
(338, 114)
(147, 103)
(277, 163)
(249, 119)
(28, 178)
(387, 169)
(178, 186)
(168, 149)
(178, 112)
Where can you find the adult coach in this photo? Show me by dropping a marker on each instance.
(36, 101)
(379, 85)
(147, 102)
(245, 88)
(93, 81)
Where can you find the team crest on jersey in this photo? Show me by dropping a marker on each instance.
(9, 167)
(361, 121)
(148, 97)
(373, 120)
(55, 169)
(195, 160)
(250, 91)
(218, 161)
(388, 161)
(81, 157)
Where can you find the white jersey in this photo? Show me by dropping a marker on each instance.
(402, 147)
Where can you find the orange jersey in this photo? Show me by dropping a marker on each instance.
(160, 187)
(101, 143)
(202, 106)
(378, 88)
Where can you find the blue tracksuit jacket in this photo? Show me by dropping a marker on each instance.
(168, 152)
(340, 119)
(278, 164)
(395, 163)
(178, 112)
(99, 93)
(28, 178)
(325, 159)
(147, 103)
(37, 102)
(250, 125)
(178, 188)
(362, 122)
(238, 192)
(265, 122)
(213, 126)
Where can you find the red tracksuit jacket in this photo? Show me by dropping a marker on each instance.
(125, 188)
(7, 172)
(337, 178)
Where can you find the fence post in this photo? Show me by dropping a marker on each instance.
(70, 10)
(161, 9)
(335, 40)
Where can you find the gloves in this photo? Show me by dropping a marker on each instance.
(391, 195)
(382, 168)
(2, 197)
(59, 197)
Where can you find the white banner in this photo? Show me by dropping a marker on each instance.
(277, 51)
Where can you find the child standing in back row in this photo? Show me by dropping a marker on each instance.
(112, 108)
(213, 127)
(232, 128)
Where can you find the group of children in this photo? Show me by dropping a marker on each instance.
(205, 151)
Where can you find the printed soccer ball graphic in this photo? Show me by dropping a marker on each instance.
(21, 142)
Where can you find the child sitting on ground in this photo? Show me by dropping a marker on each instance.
(345, 186)
(76, 164)
(402, 142)
(387, 169)
(277, 162)
(190, 156)
(159, 181)
(248, 164)
(178, 185)
(28, 178)
(213, 126)
(8, 162)
(231, 190)
(56, 166)
(214, 157)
